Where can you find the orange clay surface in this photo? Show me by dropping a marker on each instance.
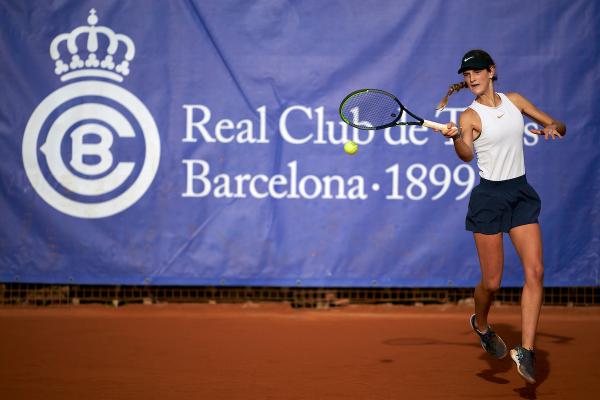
(271, 351)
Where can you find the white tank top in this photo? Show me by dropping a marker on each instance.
(499, 147)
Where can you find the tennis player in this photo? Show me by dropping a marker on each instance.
(492, 127)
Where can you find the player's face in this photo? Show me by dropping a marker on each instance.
(478, 80)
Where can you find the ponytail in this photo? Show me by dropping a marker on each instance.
(453, 89)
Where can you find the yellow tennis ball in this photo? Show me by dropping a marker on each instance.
(350, 147)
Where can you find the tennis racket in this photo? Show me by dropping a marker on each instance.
(372, 109)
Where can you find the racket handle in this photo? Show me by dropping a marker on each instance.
(435, 125)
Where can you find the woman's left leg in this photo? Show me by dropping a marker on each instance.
(527, 240)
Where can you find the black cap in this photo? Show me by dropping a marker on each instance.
(475, 59)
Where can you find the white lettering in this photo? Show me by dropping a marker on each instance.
(530, 139)
(190, 124)
(287, 136)
(245, 127)
(225, 130)
(79, 149)
(254, 191)
(222, 186)
(201, 177)
(277, 180)
(224, 125)
(199, 183)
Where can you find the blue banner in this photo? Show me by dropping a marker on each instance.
(198, 142)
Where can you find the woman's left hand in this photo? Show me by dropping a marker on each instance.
(548, 131)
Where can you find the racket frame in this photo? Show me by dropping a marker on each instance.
(419, 121)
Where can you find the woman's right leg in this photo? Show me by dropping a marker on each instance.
(491, 262)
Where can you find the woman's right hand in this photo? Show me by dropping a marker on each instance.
(450, 131)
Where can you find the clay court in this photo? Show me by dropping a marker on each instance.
(271, 351)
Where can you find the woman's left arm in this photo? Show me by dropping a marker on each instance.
(552, 127)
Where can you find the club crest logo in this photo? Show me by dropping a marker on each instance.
(91, 149)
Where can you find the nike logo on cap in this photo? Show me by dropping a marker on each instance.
(468, 58)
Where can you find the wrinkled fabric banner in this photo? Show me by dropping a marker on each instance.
(198, 142)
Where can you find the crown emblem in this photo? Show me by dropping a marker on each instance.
(76, 67)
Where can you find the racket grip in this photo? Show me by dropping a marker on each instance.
(435, 125)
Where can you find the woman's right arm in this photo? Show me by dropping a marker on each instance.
(463, 140)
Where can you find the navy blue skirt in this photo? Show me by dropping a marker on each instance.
(499, 206)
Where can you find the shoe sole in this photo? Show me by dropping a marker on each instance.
(513, 355)
(499, 338)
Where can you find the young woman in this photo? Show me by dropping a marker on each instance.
(503, 202)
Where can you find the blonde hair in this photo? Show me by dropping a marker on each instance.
(453, 89)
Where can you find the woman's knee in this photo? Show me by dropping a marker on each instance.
(534, 273)
(491, 285)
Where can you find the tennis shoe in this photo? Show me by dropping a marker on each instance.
(524, 359)
(490, 341)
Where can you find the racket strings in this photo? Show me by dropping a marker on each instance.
(371, 109)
